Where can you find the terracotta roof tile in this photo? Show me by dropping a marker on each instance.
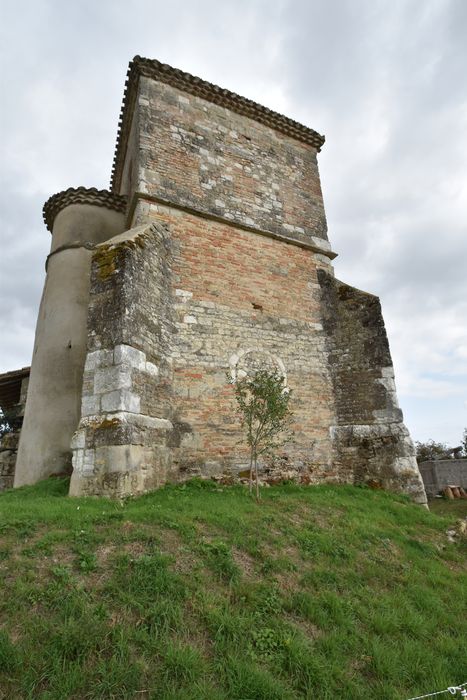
(81, 195)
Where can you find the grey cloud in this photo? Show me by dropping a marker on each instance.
(385, 83)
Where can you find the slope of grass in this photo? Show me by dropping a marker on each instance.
(196, 592)
(444, 506)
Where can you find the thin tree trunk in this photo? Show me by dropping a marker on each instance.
(256, 474)
(251, 470)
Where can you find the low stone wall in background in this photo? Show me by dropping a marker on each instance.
(8, 452)
(438, 474)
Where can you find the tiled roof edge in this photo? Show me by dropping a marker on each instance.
(81, 195)
(208, 91)
(15, 374)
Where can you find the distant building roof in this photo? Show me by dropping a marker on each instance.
(10, 387)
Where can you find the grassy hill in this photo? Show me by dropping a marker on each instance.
(196, 592)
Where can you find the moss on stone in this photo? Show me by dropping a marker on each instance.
(106, 424)
(106, 260)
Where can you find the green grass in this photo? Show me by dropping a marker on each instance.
(197, 592)
(444, 506)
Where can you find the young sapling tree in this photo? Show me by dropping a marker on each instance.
(263, 406)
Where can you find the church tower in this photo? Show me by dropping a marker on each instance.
(208, 258)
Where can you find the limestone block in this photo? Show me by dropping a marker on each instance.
(88, 465)
(83, 463)
(388, 415)
(125, 354)
(111, 378)
(77, 461)
(78, 441)
(120, 458)
(141, 420)
(98, 358)
(120, 400)
(90, 405)
(151, 369)
(184, 295)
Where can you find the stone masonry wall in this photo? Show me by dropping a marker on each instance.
(119, 447)
(8, 451)
(438, 474)
(205, 157)
(9, 442)
(371, 441)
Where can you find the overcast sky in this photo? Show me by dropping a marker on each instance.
(384, 80)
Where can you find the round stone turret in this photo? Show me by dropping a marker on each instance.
(78, 219)
(84, 215)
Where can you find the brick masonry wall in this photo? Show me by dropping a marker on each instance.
(199, 301)
(208, 158)
(182, 303)
(238, 296)
(371, 441)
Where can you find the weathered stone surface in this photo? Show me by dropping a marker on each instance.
(193, 85)
(372, 444)
(121, 449)
(7, 462)
(13, 391)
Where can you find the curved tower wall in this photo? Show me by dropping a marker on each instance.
(54, 396)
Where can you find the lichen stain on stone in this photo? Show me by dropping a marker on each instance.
(375, 484)
(180, 429)
(107, 257)
(106, 424)
(106, 261)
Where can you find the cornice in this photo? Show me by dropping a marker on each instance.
(200, 88)
(314, 244)
(81, 195)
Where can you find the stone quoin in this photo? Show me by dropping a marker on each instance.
(209, 256)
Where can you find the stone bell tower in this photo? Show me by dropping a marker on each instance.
(208, 258)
